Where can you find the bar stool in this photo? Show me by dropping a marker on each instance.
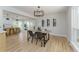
(8, 32)
(14, 30)
(18, 30)
(11, 31)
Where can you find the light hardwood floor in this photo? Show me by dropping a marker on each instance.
(19, 43)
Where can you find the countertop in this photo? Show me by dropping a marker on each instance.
(2, 31)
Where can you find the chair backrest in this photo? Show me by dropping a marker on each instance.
(31, 33)
(44, 34)
(38, 35)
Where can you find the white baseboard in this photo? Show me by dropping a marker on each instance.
(58, 35)
(74, 46)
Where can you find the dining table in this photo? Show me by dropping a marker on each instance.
(47, 36)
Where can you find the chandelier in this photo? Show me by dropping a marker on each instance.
(38, 12)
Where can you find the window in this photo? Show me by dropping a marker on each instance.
(75, 24)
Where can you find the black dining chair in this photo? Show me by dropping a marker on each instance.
(31, 35)
(44, 35)
(39, 37)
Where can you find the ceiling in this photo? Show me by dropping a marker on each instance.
(47, 9)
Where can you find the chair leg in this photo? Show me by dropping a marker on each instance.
(36, 41)
(48, 36)
(41, 44)
(32, 40)
(27, 39)
(44, 43)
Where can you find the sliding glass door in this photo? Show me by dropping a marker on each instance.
(75, 25)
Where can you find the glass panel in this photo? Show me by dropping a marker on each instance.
(78, 36)
(75, 27)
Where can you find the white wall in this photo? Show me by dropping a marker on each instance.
(68, 18)
(60, 28)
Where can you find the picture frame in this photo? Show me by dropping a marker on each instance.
(48, 22)
(42, 23)
(54, 22)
